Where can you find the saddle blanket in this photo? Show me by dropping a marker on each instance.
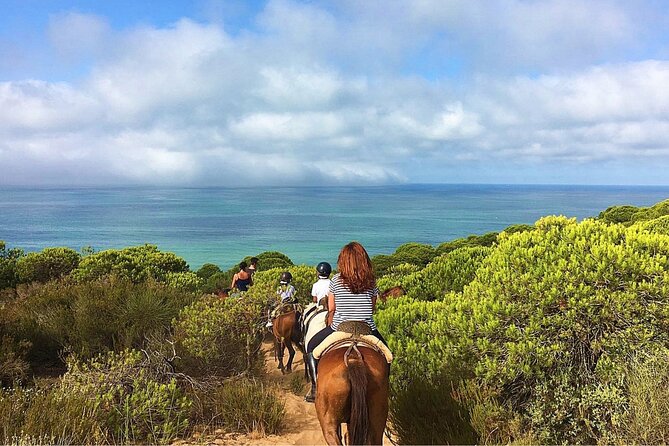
(338, 336)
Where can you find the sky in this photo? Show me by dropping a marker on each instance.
(366, 92)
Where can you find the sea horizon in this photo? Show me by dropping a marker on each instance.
(221, 225)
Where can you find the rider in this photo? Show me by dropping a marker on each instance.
(351, 297)
(286, 291)
(321, 288)
(319, 292)
(253, 266)
(242, 279)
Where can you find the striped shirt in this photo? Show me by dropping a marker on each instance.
(349, 306)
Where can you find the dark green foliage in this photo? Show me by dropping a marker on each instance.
(518, 228)
(270, 260)
(618, 214)
(487, 239)
(207, 270)
(49, 264)
(415, 253)
(412, 253)
(218, 282)
(137, 263)
(94, 317)
(8, 259)
(449, 272)
(630, 214)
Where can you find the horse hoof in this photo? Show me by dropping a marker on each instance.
(283, 371)
(289, 370)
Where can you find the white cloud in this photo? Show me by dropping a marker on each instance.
(316, 96)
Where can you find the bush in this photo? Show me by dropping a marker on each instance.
(450, 272)
(137, 263)
(186, 281)
(49, 264)
(217, 282)
(658, 225)
(487, 239)
(221, 337)
(207, 270)
(8, 259)
(396, 276)
(246, 405)
(93, 317)
(555, 312)
(547, 324)
(618, 214)
(415, 253)
(271, 259)
(114, 399)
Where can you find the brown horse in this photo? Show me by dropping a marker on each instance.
(353, 389)
(393, 292)
(286, 333)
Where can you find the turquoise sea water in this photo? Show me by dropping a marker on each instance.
(309, 224)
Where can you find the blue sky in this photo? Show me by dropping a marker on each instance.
(285, 92)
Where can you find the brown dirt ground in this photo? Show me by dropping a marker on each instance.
(300, 425)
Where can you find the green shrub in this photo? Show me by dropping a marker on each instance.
(555, 312)
(93, 317)
(48, 264)
(657, 210)
(449, 272)
(114, 399)
(396, 276)
(137, 263)
(271, 259)
(8, 259)
(217, 282)
(184, 281)
(221, 337)
(382, 264)
(658, 225)
(265, 283)
(487, 239)
(207, 270)
(415, 253)
(618, 214)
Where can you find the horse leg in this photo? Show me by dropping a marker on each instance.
(279, 353)
(291, 354)
(331, 430)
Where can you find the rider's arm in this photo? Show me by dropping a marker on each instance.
(234, 281)
(331, 308)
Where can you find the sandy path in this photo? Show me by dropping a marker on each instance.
(300, 424)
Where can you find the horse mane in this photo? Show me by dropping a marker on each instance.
(359, 424)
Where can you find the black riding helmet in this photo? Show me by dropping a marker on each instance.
(286, 277)
(324, 269)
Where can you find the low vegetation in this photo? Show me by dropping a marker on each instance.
(554, 333)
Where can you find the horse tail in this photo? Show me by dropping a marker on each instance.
(359, 424)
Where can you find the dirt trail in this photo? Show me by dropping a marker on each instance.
(301, 425)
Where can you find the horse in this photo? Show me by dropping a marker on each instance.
(353, 389)
(393, 292)
(286, 333)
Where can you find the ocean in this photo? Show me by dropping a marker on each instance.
(309, 224)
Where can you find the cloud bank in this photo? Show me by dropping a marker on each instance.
(350, 93)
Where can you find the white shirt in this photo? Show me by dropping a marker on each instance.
(320, 289)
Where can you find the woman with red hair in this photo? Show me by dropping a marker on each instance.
(352, 297)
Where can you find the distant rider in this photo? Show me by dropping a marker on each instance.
(286, 293)
(242, 279)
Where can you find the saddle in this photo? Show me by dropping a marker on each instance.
(285, 308)
(350, 334)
